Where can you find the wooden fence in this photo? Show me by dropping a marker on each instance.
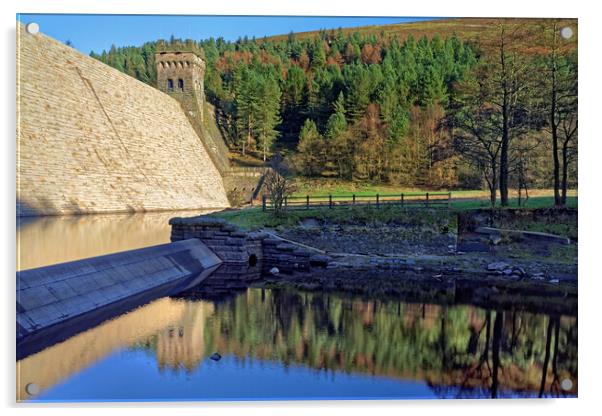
(409, 200)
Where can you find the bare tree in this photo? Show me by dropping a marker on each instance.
(278, 182)
(474, 125)
(521, 161)
(569, 148)
(559, 105)
(506, 79)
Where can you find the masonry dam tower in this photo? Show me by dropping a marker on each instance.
(181, 75)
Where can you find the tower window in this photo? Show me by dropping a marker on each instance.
(181, 84)
(170, 85)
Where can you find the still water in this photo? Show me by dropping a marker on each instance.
(289, 344)
(42, 241)
(283, 343)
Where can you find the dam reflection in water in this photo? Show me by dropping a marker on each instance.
(42, 241)
(288, 344)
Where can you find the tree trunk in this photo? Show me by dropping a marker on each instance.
(557, 199)
(493, 186)
(505, 144)
(565, 172)
(546, 360)
(497, 341)
(554, 124)
(504, 162)
(492, 196)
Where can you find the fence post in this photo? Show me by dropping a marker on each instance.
(402, 200)
(307, 202)
(377, 201)
(330, 201)
(263, 202)
(353, 199)
(427, 199)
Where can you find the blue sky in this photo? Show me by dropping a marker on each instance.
(97, 32)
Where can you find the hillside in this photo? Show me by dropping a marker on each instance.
(393, 104)
(473, 30)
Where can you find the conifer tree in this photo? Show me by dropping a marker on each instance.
(268, 117)
(311, 149)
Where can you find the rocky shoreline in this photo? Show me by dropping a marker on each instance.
(435, 280)
(425, 264)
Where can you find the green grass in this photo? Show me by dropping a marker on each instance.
(254, 218)
(559, 254)
(338, 188)
(317, 187)
(250, 218)
(533, 202)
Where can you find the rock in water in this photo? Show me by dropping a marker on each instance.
(500, 265)
(274, 270)
(519, 271)
(495, 239)
(215, 356)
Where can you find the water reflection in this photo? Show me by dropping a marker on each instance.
(42, 241)
(301, 345)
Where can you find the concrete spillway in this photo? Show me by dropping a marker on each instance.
(58, 301)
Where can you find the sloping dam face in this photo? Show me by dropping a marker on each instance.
(91, 139)
(58, 301)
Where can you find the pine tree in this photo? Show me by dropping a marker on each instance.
(311, 149)
(339, 104)
(269, 114)
(247, 102)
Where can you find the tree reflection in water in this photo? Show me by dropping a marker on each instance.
(460, 350)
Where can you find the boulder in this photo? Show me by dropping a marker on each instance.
(495, 239)
(519, 271)
(497, 266)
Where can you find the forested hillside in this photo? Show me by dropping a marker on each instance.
(470, 104)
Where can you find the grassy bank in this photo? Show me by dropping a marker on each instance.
(254, 218)
(533, 202)
(321, 187)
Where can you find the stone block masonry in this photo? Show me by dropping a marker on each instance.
(91, 139)
(251, 252)
(56, 301)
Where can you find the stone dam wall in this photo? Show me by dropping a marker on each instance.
(91, 139)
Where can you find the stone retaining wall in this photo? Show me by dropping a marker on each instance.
(245, 254)
(242, 185)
